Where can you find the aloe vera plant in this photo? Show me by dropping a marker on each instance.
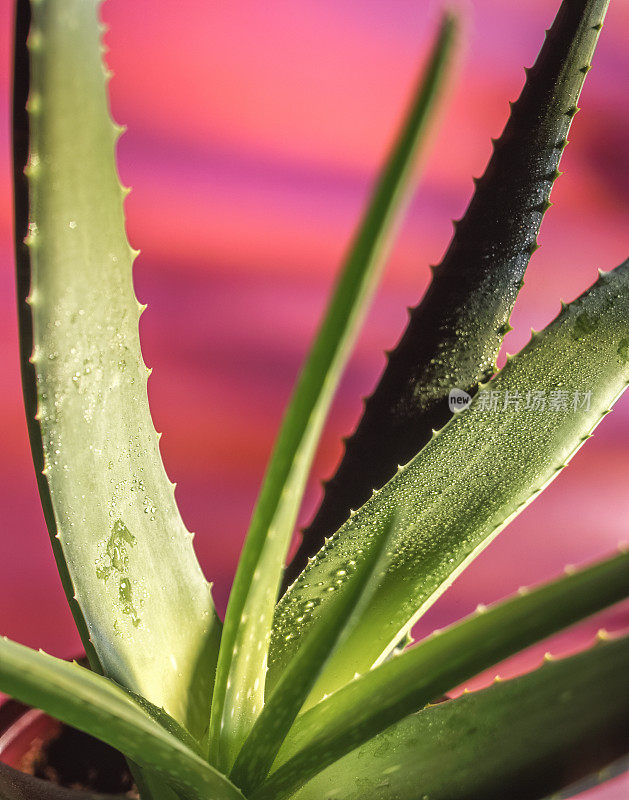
(304, 698)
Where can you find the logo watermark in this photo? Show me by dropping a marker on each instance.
(534, 400)
(512, 400)
(458, 400)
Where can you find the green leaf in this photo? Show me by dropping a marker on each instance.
(454, 334)
(281, 708)
(474, 475)
(97, 706)
(524, 738)
(143, 607)
(373, 702)
(239, 690)
(16, 785)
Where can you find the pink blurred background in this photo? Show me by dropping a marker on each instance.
(255, 130)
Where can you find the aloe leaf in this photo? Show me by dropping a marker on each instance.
(523, 738)
(454, 334)
(142, 604)
(97, 706)
(16, 785)
(281, 708)
(607, 773)
(239, 689)
(473, 476)
(373, 702)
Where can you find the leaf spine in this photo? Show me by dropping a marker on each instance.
(533, 247)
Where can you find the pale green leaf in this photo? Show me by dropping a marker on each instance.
(142, 604)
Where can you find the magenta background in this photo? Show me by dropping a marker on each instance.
(255, 129)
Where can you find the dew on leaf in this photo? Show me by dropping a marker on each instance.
(125, 593)
(116, 557)
(584, 325)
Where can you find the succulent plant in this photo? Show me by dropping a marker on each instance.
(318, 695)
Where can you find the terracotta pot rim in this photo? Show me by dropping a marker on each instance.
(20, 725)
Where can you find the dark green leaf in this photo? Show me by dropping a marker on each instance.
(522, 739)
(454, 334)
(368, 705)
